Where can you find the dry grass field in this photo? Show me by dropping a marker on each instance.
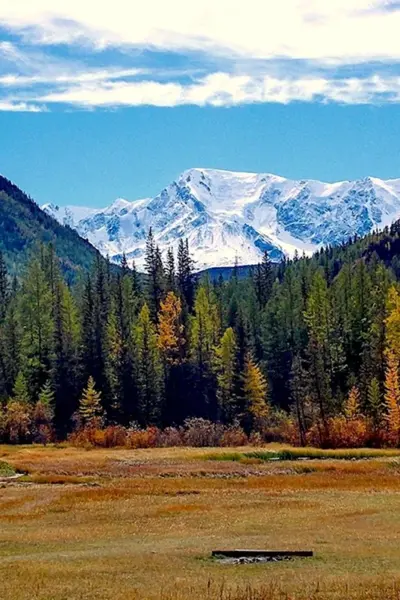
(141, 524)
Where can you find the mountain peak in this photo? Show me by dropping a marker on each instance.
(230, 216)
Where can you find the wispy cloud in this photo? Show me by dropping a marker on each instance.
(20, 107)
(59, 53)
(224, 89)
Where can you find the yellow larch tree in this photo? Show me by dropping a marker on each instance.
(255, 391)
(170, 329)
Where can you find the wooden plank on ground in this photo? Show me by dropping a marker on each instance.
(263, 553)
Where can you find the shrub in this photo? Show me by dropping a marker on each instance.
(339, 432)
(17, 422)
(170, 437)
(143, 438)
(200, 433)
(234, 436)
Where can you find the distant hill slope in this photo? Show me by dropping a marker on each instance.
(23, 226)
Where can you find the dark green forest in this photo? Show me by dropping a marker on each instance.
(307, 350)
(24, 226)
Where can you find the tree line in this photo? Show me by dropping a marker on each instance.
(307, 350)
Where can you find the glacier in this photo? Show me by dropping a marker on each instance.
(230, 216)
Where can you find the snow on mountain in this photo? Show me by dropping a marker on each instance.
(228, 216)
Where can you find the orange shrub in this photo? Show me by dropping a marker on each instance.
(143, 438)
(339, 433)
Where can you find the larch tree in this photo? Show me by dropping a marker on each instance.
(352, 407)
(255, 391)
(226, 366)
(170, 330)
(90, 408)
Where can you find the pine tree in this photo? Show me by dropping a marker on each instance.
(20, 391)
(155, 275)
(299, 393)
(37, 325)
(114, 350)
(170, 271)
(185, 277)
(318, 317)
(90, 407)
(11, 346)
(149, 368)
(4, 288)
(266, 274)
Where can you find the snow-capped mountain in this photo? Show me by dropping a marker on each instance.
(227, 216)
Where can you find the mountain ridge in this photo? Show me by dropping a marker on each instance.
(229, 216)
(24, 225)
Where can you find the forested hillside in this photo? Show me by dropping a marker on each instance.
(306, 351)
(24, 226)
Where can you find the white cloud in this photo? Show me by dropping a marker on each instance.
(8, 106)
(343, 31)
(246, 52)
(224, 89)
(96, 75)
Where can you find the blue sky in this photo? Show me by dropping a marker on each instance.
(100, 100)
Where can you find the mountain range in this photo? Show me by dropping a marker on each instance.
(230, 216)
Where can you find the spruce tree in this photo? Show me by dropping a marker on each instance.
(155, 284)
(37, 326)
(4, 288)
(185, 276)
(149, 369)
(170, 276)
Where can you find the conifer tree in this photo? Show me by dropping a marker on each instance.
(43, 414)
(227, 371)
(20, 391)
(392, 398)
(37, 325)
(11, 346)
(170, 330)
(204, 332)
(155, 275)
(170, 271)
(149, 368)
(113, 361)
(263, 279)
(352, 405)
(90, 407)
(255, 390)
(185, 277)
(299, 386)
(318, 318)
(374, 403)
(4, 288)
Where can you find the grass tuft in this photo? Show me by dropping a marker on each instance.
(6, 470)
(303, 454)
